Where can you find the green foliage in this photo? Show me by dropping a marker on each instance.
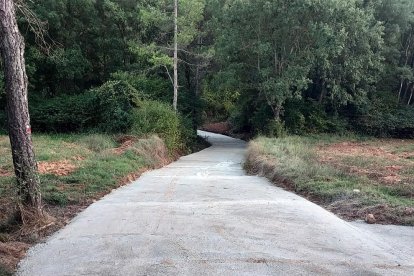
(255, 62)
(313, 69)
(64, 113)
(395, 122)
(150, 87)
(158, 118)
(107, 108)
(219, 105)
(115, 103)
(303, 117)
(288, 47)
(276, 128)
(56, 198)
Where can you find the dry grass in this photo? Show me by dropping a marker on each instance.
(349, 177)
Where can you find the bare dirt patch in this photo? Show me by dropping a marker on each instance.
(354, 180)
(220, 128)
(378, 159)
(58, 168)
(5, 173)
(354, 149)
(125, 145)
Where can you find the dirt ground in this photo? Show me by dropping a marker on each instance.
(59, 168)
(387, 163)
(220, 128)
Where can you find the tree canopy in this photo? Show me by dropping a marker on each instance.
(300, 66)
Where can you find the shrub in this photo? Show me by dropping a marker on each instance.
(151, 87)
(108, 108)
(276, 129)
(65, 113)
(396, 122)
(159, 118)
(115, 103)
(311, 117)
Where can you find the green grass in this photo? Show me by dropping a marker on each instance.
(100, 164)
(404, 148)
(294, 163)
(98, 167)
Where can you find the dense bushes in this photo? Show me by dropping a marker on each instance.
(396, 122)
(298, 117)
(64, 113)
(115, 107)
(159, 118)
(311, 117)
(115, 103)
(105, 109)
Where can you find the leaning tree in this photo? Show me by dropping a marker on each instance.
(12, 52)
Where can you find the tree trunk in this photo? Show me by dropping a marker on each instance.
(12, 53)
(175, 55)
(400, 90)
(411, 96)
(323, 91)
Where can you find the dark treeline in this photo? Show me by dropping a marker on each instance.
(268, 66)
(317, 65)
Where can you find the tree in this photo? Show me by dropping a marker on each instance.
(294, 50)
(398, 18)
(12, 48)
(175, 55)
(170, 36)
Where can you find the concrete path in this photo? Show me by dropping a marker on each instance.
(203, 216)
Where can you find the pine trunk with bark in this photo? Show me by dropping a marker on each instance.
(12, 53)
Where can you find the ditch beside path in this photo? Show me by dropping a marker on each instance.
(202, 215)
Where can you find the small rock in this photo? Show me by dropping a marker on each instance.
(370, 219)
(357, 191)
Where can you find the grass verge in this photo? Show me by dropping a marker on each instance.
(75, 170)
(351, 176)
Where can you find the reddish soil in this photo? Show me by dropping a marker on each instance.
(124, 147)
(389, 174)
(4, 172)
(356, 149)
(220, 128)
(59, 168)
